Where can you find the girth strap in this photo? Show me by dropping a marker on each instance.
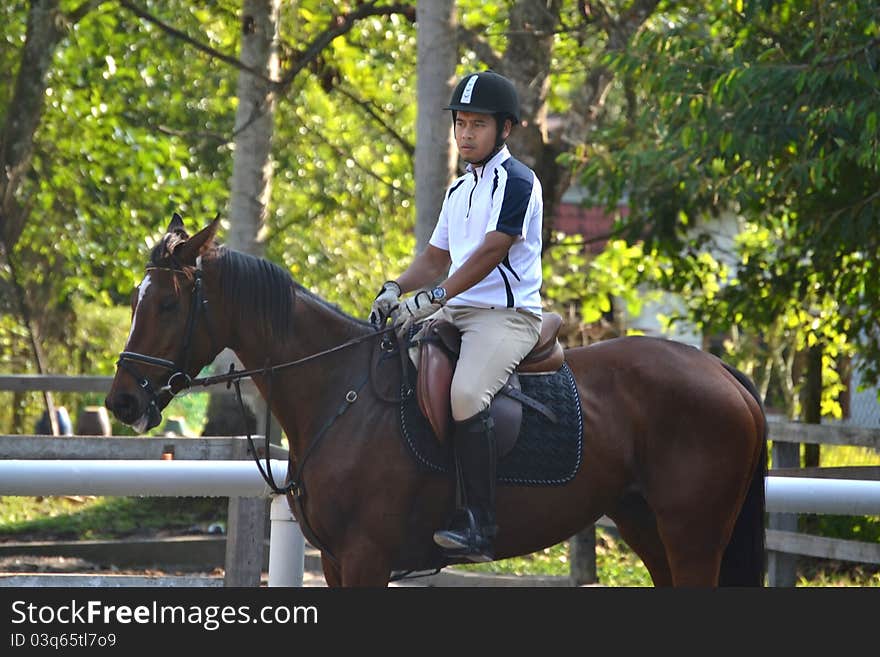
(525, 400)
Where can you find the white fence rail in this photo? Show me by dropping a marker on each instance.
(287, 546)
(122, 477)
(168, 479)
(850, 497)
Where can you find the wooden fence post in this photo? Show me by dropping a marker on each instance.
(781, 567)
(582, 557)
(245, 534)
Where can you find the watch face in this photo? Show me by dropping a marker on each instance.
(439, 293)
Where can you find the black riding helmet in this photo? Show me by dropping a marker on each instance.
(486, 92)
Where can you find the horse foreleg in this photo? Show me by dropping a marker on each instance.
(331, 572)
(365, 564)
(353, 573)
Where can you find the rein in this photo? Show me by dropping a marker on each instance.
(179, 381)
(295, 486)
(234, 377)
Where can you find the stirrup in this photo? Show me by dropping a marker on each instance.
(468, 542)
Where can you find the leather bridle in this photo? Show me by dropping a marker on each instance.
(179, 380)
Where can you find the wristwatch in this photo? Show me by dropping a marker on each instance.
(438, 295)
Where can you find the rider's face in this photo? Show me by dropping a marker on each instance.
(475, 135)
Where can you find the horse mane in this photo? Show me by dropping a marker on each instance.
(257, 288)
(260, 289)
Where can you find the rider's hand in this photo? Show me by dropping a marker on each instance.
(414, 309)
(385, 303)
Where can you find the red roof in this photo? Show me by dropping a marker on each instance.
(592, 223)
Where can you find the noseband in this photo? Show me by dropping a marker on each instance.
(179, 380)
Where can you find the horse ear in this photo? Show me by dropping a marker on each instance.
(176, 224)
(189, 250)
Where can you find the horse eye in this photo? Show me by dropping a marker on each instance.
(168, 304)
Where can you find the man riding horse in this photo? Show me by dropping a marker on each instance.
(487, 245)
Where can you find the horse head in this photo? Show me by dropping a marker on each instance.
(172, 333)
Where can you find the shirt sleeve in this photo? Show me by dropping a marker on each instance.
(440, 236)
(511, 214)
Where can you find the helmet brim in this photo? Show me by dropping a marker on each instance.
(458, 107)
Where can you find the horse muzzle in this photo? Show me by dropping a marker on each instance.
(133, 410)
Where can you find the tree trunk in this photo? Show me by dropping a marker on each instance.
(16, 151)
(251, 183)
(25, 112)
(527, 61)
(46, 26)
(252, 166)
(435, 155)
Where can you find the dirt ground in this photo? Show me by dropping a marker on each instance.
(40, 565)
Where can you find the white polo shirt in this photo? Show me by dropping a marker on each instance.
(504, 195)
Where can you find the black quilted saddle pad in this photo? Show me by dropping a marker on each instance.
(545, 453)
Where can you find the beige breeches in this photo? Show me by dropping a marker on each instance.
(493, 342)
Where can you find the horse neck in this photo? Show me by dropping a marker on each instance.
(304, 395)
(315, 327)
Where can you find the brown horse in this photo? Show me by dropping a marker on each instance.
(673, 440)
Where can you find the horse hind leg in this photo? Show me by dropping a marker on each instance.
(693, 563)
(695, 540)
(637, 526)
(668, 550)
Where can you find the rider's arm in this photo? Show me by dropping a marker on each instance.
(488, 255)
(428, 267)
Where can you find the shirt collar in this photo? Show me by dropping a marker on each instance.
(497, 159)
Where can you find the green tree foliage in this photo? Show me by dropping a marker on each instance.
(766, 111)
(762, 110)
(138, 123)
(128, 134)
(342, 214)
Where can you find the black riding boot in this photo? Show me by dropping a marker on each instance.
(473, 527)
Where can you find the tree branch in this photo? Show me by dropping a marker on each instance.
(368, 108)
(585, 241)
(80, 12)
(177, 34)
(339, 25)
(347, 155)
(485, 53)
(590, 97)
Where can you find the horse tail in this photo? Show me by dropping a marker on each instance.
(744, 561)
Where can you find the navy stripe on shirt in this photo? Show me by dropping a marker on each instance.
(454, 187)
(506, 263)
(517, 193)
